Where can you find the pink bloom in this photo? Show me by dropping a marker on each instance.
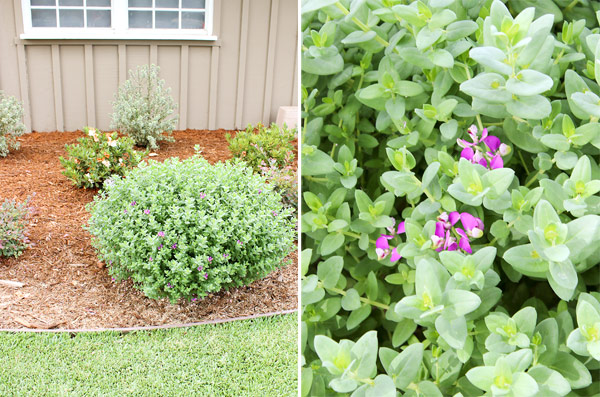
(210, 258)
(382, 246)
(161, 234)
(489, 154)
(133, 203)
(160, 247)
(200, 268)
(150, 259)
(147, 212)
(174, 246)
(205, 276)
(201, 195)
(496, 162)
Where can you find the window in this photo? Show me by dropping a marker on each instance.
(118, 19)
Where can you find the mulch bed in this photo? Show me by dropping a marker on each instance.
(65, 284)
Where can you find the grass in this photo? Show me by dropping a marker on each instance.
(242, 358)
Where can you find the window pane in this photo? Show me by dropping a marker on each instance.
(167, 19)
(43, 2)
(43, 18)
(70, 3)
(140, 19)
(98, 18)
(71, 18)
(193, 4)
(167, 3)
(98, 3)
(192, 20)
(140, 3)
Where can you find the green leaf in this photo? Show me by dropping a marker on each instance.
(556, 141)
(492, 58)
(460, 302)
(315, 162)
(525, 260)
(544, 214)
(563, 279)
(404, 329)
(374, 96)
(405, 367)
(365, 350)
(408, 88)
(498, 180)
(489, 86)
(442, 58)
(351, 301)
(322, 61)
(430, 173)
(534, 107)
(588, 102)
(573, 370)
(482, 377)
(331, 243)
(453, 330)
(329, 271)
(427, 37)
(305, 256)
(358, 316)
(460, 29)
(529, 82)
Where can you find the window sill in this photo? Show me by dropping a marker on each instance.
(142, 35)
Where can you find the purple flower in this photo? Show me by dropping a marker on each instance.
(147, 212)
(133, 203)
(382, 245)
(194, 299)
(160, 247)
(210, 258)
(274, 213)
(486, 150)
(201, 195)
(200, 268)
(225, 255)
(205, 276)
(239, 242)
(113, 279)
(125, 211)
(174, 246)
(150, 259)
(443, 240)
(161, 234)
(169, 285)
(259, 191)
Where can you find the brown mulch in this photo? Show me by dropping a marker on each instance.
(65, 284)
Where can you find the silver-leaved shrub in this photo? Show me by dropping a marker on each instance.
(143, 108)
(450, 214)
(189, 228)
(11, 125)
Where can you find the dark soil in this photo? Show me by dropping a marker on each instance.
(65, 284)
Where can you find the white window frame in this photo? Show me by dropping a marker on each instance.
(120, 27)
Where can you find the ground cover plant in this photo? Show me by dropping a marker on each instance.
(11, 123)
(143, 108)
(243, 358)
(14, 217)
(98, 156)
(450, 216)
(189, 228)
(260, 146)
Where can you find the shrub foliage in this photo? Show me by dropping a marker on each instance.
(98, 156)
(11, 125)
(14, 217)
(260, 144)
(143, 108)
(451, 213)
(188, 228)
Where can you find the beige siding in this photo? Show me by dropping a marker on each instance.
(241, 78)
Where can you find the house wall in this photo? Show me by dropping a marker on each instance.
(241, 78)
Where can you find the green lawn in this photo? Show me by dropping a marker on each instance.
(242, 358)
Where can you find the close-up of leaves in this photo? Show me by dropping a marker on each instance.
(450, 213)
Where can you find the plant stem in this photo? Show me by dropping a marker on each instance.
(540, 172)
(508, 226)
(364, 300)
(570, 6)
(523, 162)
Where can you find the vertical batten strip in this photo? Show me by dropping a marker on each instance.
(154, 54)
(90, 95)
(270, 67)
(212, 96)
(294, 99)
(58, 97)
(241, 77)
(183, 89)
(22, 66)
(122, 64)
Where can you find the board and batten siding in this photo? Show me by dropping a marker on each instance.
(242, 78)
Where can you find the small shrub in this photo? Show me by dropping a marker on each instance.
(11, 114)
(258, 144)
(188, 228)
(13, 224)
(143, 107)
(98, 156)
(284, 181)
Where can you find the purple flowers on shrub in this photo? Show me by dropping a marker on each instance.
(161, 234)
(486, 150)
(382, 246)
(443, 238)
(147, 212)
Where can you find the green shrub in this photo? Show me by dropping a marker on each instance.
(451, 216)
(143, 108)
(284, 181)
(188, 228)
(261, 144)
(97, 157)
(14, 217)
(11, 114)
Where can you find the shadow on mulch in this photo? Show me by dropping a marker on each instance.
(65, 284)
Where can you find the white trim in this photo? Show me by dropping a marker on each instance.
(120, 29)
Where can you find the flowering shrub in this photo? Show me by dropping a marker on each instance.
(451, 220)
(98, 156)
(188, 228)
(11, 126)
(13, 223)
(284, 181)
(261, 144)
(143, 107)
